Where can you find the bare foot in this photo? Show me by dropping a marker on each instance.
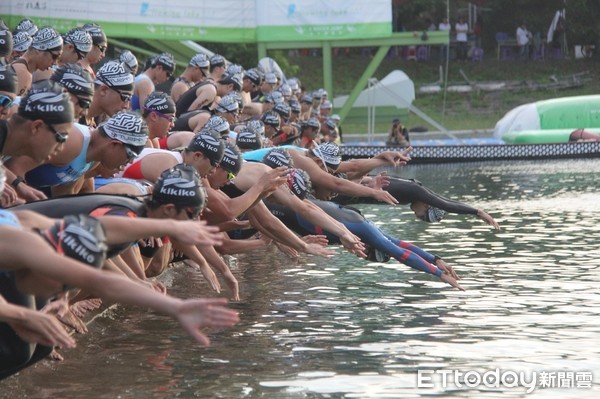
(71, 320)
(56, 356)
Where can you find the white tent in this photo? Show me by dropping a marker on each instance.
(396, 89)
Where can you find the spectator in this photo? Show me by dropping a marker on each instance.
(462, 28)
(523, 39)
(398, 135)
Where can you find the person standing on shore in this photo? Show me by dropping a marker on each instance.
(462, 28)
(523, 39)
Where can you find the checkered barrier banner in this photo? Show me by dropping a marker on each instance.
(466, 153)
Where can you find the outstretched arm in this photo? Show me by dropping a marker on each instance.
(35, 327)
(192, 314)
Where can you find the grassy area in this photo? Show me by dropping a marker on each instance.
(465, 111)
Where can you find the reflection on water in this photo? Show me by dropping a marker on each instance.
(345, 327)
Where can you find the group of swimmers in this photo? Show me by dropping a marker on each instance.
(100, 169)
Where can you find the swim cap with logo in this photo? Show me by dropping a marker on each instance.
(209, 144)
(257, 126)
(329, 153)
(200, 60)
(270, 77)
(47, 39)
(313, 123)
(79, 237)
(434, 215)
(160, 102)
(234, 69)
(248, 140)
(129, 61)
(235, 80)
(277, 157)
(21, 41)
(8, 79)
(165, 60)
(232, 159)
(181, 186)
(80, 39)
(217, 124)
(271, 118)
(127, 127)
(285, 89)
(228, 103)
(48, 101)
(6, 41)
(113, 74)
(275, 97)
(295, 106)
(253, 75)
(96, 32)
(217, 60)
(75, 79)
(26, 25)
(283, 110)
(299, 182)
(330, 123)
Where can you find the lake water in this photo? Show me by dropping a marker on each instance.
(347, 328)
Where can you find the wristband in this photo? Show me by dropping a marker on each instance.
(17, 181)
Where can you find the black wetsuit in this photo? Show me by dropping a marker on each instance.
(183, 122)
(15, 353)
(3, 134)
(406, 191)
(89, 204)
(188, 98)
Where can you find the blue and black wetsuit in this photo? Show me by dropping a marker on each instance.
(402, 251)
(406, 191)
(50, 175)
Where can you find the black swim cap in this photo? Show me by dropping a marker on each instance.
(232, 159)
(235, 79)
(113, 74)
(277, 157)
(75, 79)
(48, 101)
(434, 215)
(160, 102)
(8, 79)
(165, 60)
(21, 41)
(209, 144)
(79, 237)
(313, 123)
(96, 32)
(271, 118)
(248, 140)
(6, 42)
(283, 110)
(299, 182)
(181, 186)
(254, 76)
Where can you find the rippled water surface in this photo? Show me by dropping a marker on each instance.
(347, 328)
